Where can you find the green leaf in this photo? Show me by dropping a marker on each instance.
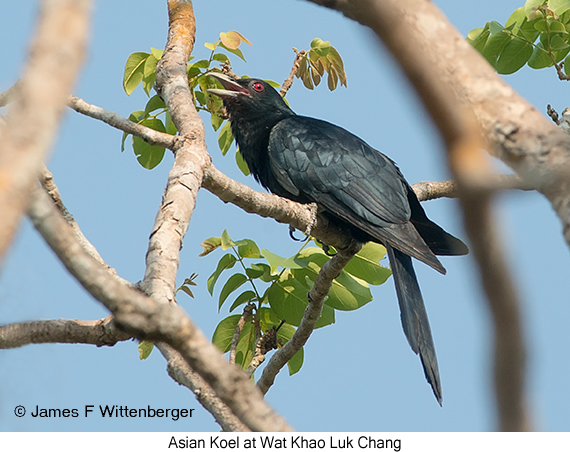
(149, 74)
(225, 138)
(233, 283)
(276, 261)
(154, 103)
(320, 47)
(365, 265)
(226, 241)
(237, 52)
(248, 248)
(530, 5)
(559, 7)
(495, 45)
(157, 53)
(267, 318)
(540, 58)
(149, 156)
(145, 349)
(221, 57)
(478, 38)
(216, 121)
(495, 27)
(222, 337)
(201, 97)
(346, 293)
(227, 261)
(170, 127)
(261, 271)
(134, 71)
(514, 56)
(244, 297)
(241, 163)
(288, 299)
(517, 18)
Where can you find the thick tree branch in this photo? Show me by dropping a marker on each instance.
(145, 318)
(412, 31)
(316, 295)
(56, 54)
(66, 331)
(185, 177)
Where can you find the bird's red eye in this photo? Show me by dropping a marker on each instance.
(258, 86)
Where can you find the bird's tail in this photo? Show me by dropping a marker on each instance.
(414, 316)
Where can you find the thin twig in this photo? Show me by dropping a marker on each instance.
(289, 80)
(329, 271)
(151, 136)
(247, 311)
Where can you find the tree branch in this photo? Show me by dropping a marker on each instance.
(56, 54)
(66, 331)
(185, 177)
(151, 136)
(317, 294)
(289, 80)
(426, 191)
(247, 311)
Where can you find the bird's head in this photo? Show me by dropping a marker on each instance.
(250, 97)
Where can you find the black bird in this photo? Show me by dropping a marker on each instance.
(309, 160)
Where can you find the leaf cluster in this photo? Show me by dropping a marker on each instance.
(276, 290)
(140, 69)
(535, 34)
(320, 59)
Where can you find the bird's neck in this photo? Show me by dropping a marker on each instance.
(252, 132)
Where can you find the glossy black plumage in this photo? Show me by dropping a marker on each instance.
(309, 160)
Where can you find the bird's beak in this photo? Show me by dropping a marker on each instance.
(231, 87)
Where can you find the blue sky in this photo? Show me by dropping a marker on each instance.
(359, 374)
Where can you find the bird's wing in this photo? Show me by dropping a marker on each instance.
(334, 168)
(318, 158)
